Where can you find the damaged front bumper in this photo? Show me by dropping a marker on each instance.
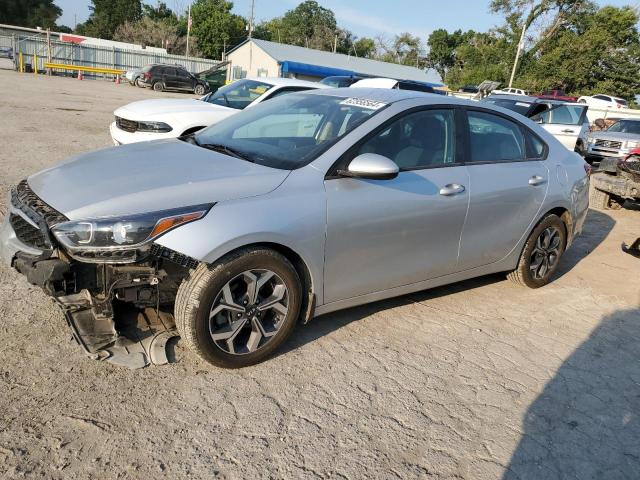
(118, 313)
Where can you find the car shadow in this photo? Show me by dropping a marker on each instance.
(586, 422)
(596, 229)
(325, 324)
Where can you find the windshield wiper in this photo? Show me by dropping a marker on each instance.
(224, 149)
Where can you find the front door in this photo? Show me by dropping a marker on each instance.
(509, 181)
(388, 233)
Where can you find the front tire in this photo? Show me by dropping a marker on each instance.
(541, 254)
(136, 82)
(238, 311)
(199, 90)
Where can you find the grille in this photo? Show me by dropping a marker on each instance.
(126, 125)
(173, 256)
(608, 144)
(23, 199)
(27, 233)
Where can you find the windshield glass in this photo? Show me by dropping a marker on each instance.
(290, 131)
(625, 126)
(239, 94)
(519, 107)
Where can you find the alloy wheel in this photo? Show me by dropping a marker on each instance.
(546, 253)
(248, 312)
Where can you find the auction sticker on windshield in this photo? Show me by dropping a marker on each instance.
(364, 103)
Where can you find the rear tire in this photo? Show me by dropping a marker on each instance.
(219, 316)
(541, 254)
(599, 199)
(158, 86)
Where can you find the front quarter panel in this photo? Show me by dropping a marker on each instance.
(293, 216)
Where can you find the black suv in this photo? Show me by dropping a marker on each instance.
(172, 77)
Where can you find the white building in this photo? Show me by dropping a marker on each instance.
(261, 58)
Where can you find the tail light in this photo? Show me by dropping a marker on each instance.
(147, 76)
(587, 169)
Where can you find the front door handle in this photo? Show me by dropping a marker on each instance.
(451, 189)
(536, 180)
(568, 130)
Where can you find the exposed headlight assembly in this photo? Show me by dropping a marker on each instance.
(154, 127)
(121, 239)
(632, 144)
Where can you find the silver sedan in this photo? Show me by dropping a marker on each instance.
(306, 204)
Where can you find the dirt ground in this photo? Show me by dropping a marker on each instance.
(478, 380)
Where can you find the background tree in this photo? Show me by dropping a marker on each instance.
(365, 47)
(29, 13)
(107, 15)
(216, 27)
(442, 49)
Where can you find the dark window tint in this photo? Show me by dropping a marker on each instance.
(183, 73)
(415, 86)
(494, 138)
(536, 148)
(417, 140)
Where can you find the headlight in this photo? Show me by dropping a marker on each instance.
(155, 127)
(632, 144)
(117, 234)
(591, 140)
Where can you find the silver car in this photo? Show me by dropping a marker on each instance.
(616, 141)
(301, 206)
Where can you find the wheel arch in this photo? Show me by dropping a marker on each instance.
(298, 262)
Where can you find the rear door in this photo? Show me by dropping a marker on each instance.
(508, 181)
(564, 121)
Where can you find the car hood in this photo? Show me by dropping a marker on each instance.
(148, 177)
(615, 136)
(146, 109)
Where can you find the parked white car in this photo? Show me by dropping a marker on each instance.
(509, 91)
(169, 118)
(604, 101)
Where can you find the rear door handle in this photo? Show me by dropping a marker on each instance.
(568, 130)
(451, 189)
(536, 180)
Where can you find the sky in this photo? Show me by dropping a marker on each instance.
(363, 17)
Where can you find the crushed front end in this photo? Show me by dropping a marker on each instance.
(118, 302)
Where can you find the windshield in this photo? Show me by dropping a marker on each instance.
(290, 131)
(625, 126)
(239, 94)
(519, 107)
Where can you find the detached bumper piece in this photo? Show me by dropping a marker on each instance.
(141, 339)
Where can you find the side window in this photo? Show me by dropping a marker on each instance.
(561, 114)
(536, 148)
(494, 138)
(417, 140)
(183, 73)
(170, 71)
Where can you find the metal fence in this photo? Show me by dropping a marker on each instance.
(94, 56)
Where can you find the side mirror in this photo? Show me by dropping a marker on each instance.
(538, 119)
(371, 166)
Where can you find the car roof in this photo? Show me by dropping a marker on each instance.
(289, 82)
(392, 95)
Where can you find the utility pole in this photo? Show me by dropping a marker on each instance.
(518, 52)
(251, 19)
(188, 29)
(335, 44)
(48, 50)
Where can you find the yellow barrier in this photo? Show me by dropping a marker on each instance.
(80, 68)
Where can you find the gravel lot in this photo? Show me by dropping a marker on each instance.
(478, 380)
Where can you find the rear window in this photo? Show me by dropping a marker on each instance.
(514, 105)
(622, 102)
